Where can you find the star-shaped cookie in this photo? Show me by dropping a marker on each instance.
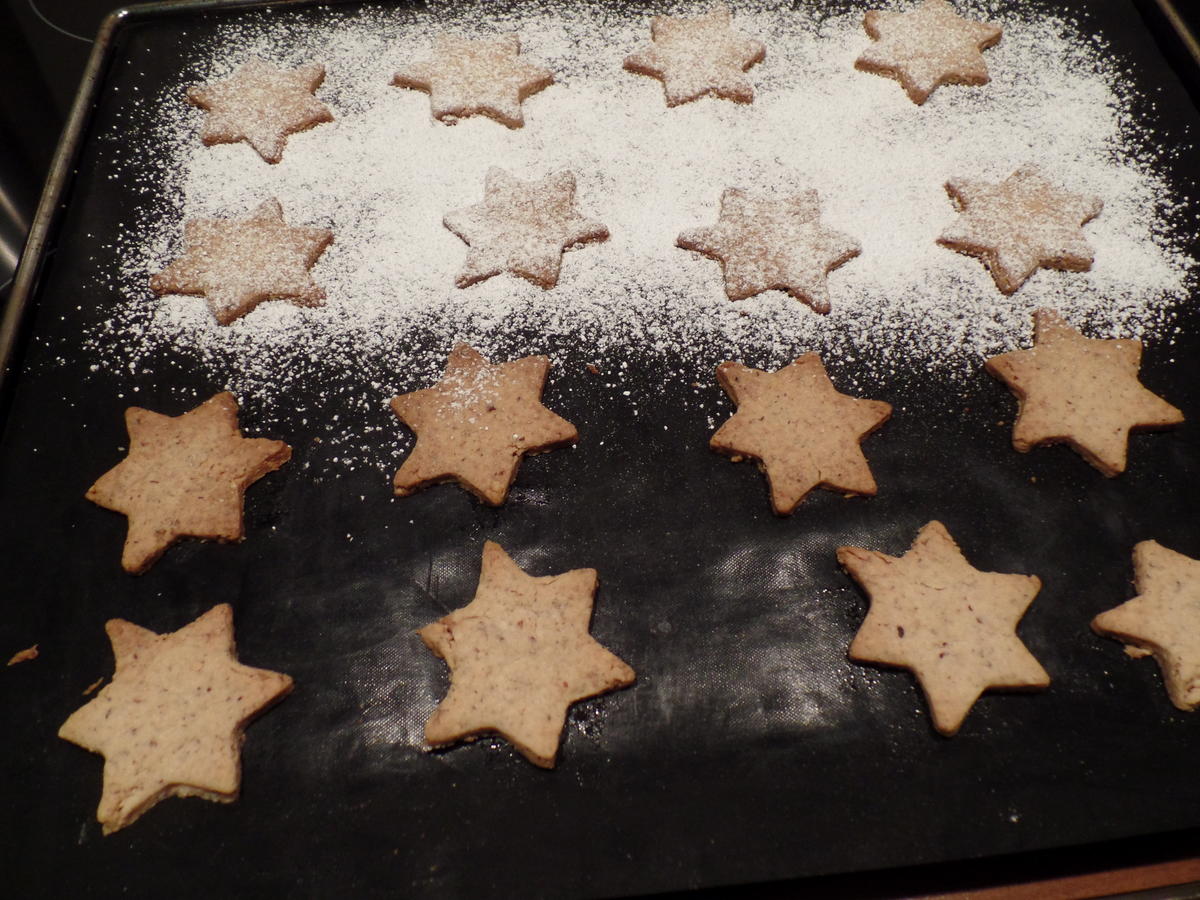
(475, 424)
(521, 227)
(466, 77)
(767, 243)
(1080, 391)
(171, 721)
(801, 430)
(927, 47)
(261, 105)
(1020, 225)
(694, 57)
(236, 264)
(184, 476)
(952, 625)
(520, 654)
(1163, 620)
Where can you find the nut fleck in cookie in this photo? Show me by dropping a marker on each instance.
(952, 625)
(801, 430)
(520, 654)
(184, 476)
(475, 424)
(1080, 391)
(261, 105)
(171, 721)
(521, 227)
(236, 264)
(694, 57)
(1020, 225)
(927, 47)
(767, 243)
(465, 77)
(1163, 620)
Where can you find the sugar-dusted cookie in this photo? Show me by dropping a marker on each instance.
(1020, 225)
(522, 227)
(803, 433)
(1080, 391)
(694, 57)
(236, 264)
(927, 47)
(487, 76)
(475, 424)
(261, 105)
(171, 721)
(1163, 619)
(184, 476)
(765, 242)
(520, 654)
(952, 625)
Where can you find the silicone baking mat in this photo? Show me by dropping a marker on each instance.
(749, 749)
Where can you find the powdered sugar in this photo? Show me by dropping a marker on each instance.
(384, 173)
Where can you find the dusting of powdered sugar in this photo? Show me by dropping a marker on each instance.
(383, 174)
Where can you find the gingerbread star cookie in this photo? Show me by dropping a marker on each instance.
(520, 654)
(767, 243)
(184, 476)
(952, 625)
(1080, 391)
(465, 77)
(927, 47)
(694, 57)
(803, 433)
(261, 105)
(521, 227)
(171, 721)
(1163, 620)
(1020, 225)
(475, 424)
(236, 264)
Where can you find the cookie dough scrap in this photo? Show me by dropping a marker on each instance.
(926, 47)
(475, 424)
(171, 722)
(1080, 391)
(767, 243)
(802, 431)
(695, 57)
(1020, 225)
(952, 625)
(465, 77)
(1163, 620)
(184, 476)
(261, 104)
(522, 227)
(520, 654)
(236, 264)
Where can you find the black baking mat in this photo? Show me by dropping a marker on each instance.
(750, 747)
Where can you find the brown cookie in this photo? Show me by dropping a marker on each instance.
(261, 105)
(767, 243)
(171, 721)
(695, 57)
(184, 476)
(1163, 619)
(1020, 225)
(952, 625)
(465, 77)
(520, 654)
(475, 424)
(1080, 391)
(236, 264)
(927, 47)
(803, 433)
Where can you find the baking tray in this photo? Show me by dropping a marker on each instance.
(750, 749)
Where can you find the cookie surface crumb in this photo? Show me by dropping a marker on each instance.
(24, 655)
